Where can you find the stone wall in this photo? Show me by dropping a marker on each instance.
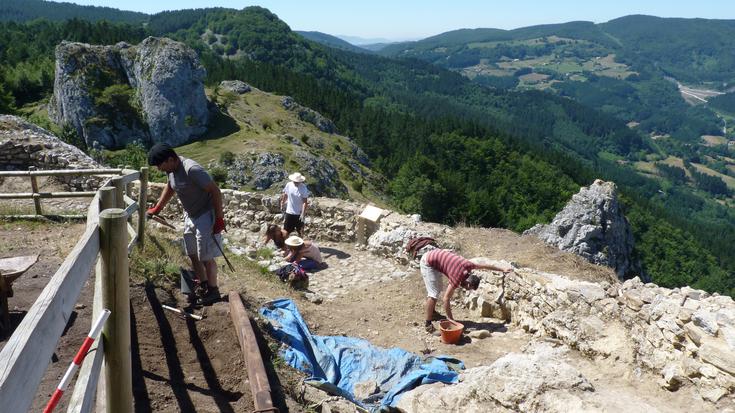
(23, 144)
(248, 213)
(686, 336)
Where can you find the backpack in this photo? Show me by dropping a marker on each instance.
(294, 275)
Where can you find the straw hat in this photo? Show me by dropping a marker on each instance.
(296, 177)
(294, 241)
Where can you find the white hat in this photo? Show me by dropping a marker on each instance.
(296, 177)
(294, 241)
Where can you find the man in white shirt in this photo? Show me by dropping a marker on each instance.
(294, 202)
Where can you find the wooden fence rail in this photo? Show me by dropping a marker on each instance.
(36, 337)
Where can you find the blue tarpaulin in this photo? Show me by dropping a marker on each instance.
(338, 363)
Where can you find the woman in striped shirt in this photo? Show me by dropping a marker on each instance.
(459, 272)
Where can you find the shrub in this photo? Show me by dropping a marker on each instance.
(227, 158)
(219, 174)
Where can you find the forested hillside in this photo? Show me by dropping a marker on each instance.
(25, 10)
(454, 150)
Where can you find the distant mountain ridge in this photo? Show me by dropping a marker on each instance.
(331, 41)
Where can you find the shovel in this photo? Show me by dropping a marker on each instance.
(229, 264)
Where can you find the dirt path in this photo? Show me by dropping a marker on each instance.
(52, 241)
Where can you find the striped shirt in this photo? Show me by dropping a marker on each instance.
(456, 268)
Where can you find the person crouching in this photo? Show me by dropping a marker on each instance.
(304, 253)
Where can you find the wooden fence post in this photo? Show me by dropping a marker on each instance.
(34, 188)
(116, 298)
(142, 205)
(129, 193)
(119, 185)
(107, 198)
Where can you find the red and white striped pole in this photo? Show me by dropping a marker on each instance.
(93, 333)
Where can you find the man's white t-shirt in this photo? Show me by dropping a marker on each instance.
(296, 194)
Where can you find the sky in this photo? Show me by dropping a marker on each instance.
(412, 19)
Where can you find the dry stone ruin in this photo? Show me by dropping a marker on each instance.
(684, 336)
(24, 145)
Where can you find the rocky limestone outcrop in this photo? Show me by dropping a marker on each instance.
(235, 86)
(593, 226)
(538, 380)
(322, 176)
(24, 145)
(114, 95)
(309, 115)
(263, 170)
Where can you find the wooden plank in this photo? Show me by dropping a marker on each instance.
(34, 188)
(63, 172)
(116, 298)
(30, 195)
(42, 217)
(133, 238)
(130, 177)
(85, 388)
(142, 204)
(259, 385)
(131, 209)
(25, 357)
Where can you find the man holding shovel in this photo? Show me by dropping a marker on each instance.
(203, 215)
(459, 272)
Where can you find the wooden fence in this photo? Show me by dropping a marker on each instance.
(110, 236)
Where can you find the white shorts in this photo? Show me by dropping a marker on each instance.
(432, 278)
(198, 237)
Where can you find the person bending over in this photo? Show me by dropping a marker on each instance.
(458, 271)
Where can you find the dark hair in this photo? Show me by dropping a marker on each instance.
(272, 234)
(160, 153)
(473, 281)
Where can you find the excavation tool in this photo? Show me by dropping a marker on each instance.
(182, 312)
(229, 264)
(161, 220)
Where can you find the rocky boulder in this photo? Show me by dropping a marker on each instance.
(235, 86)
(540, 381)
(114, 95)
(593, 226)
(309, 115)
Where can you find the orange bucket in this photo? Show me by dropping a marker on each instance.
(451, 331)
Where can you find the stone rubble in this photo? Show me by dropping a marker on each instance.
(23, 144)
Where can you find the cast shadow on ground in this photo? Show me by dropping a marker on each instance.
(15, 318)
(489, 326)
(140, 391)
(176, 377)
(221, 397)
(221, 124)
(331, 252)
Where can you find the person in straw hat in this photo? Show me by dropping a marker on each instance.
(294, 202)
(304, 253)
